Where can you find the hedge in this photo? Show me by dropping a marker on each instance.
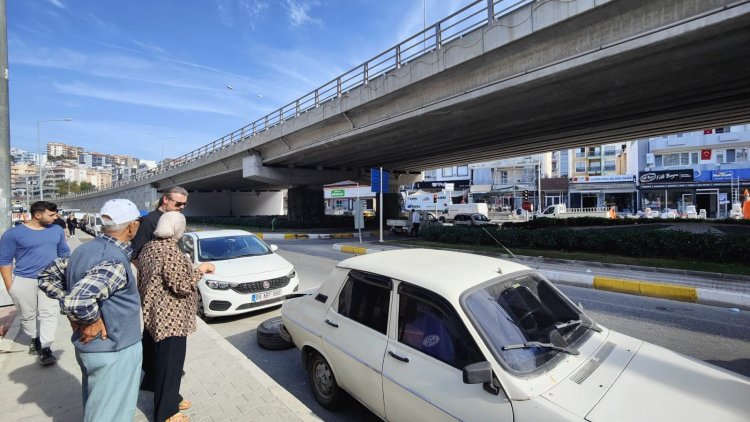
(547, 222)
(283, 222)
(624, 241)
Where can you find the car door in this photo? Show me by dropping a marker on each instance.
(423, 366)
(354, 337)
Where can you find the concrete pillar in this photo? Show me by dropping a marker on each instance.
(306, 203)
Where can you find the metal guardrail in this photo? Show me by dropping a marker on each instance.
(471, 17)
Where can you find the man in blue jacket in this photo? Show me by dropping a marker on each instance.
(98, 292)
(33, 246)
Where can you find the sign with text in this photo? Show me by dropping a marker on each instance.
(665, 176)
(338, 193)
(375, 180)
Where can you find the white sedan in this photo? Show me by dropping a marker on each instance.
(425, 335)
(249, 274)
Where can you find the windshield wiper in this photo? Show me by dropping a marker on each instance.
(534, 344)
(573, 322)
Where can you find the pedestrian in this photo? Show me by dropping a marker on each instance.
(72, 223)
(415, 223)
(34, 245)
(60, 222)
(97, 290)
(168, 284)
(172, 199)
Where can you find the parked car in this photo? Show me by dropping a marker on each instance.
(473, 219)
(249, 274)
(428, 335)
(92, 224)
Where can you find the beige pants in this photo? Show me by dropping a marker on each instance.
(38, 312)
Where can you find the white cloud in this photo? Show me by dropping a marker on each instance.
(247, 11)
(57, 3)
(299, 12)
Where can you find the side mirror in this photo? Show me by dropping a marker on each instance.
(481, 373)
(274, 248)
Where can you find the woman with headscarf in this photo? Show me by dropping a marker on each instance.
(168, 285)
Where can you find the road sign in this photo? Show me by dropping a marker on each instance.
(526, 205)
(449, 187)
(375, 180)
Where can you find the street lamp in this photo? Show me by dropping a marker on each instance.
(162, 141)
(39, 152)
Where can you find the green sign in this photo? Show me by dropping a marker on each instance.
(338, 193)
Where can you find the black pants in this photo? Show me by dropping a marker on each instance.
(415, 229)
(72, 230)
(162, 366)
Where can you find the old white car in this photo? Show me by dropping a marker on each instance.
(425, 335)
(249, 274)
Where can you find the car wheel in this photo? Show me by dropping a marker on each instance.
(201, 312)
(442, 220)
(270, 337)
(323, 382)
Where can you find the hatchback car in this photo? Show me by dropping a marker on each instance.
(473, 219)
(426, 335)
(249, 274)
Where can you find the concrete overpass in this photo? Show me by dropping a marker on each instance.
(486, 84)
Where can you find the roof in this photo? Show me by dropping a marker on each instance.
(444, 272)
(206, 234)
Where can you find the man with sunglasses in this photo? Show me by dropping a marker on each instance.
(172, 199)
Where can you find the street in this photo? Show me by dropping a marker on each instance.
(715, 335)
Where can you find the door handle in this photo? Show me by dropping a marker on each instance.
(397, 357)
(332, 324)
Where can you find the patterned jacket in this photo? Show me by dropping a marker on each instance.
(169, 290)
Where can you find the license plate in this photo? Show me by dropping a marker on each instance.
(259, 297)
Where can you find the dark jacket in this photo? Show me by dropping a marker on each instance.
(145, 232)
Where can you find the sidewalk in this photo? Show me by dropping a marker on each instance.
(684, 286)
(220, 381)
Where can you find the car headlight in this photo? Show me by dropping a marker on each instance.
(291, 274)
(218, 284)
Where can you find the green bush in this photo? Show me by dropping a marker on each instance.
(276, 222)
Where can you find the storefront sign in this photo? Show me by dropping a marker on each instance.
(665, 176)
(457, 184)
(338, 193)
(604, 179)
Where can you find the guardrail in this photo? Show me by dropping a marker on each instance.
(469, 18)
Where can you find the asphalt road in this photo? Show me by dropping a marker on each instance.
(716, 335)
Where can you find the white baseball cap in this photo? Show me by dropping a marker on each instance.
(120, 211)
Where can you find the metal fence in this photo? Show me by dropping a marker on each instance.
(471, 17)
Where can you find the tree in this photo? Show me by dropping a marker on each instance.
(87, 186)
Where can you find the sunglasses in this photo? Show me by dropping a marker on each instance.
(178, 203)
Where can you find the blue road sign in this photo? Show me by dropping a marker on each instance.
(375, 180)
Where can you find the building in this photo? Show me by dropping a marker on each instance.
(458, 178)
(604, 176)
(708, 169)
(341, 197)
(57, 149)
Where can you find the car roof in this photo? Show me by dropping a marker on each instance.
(445, 272)
(208, 234)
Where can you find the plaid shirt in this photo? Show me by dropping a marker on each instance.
(82, 303)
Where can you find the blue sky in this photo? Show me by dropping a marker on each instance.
(133, 74)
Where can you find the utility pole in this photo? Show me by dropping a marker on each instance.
(5, 190)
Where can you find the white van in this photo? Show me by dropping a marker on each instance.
(450, 213)
(93, 224)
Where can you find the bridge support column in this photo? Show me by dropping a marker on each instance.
(306, 203)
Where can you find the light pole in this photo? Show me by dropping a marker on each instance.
(39, 152)
(162, 141)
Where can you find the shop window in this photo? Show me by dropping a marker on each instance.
(462, 171)
(580, 167)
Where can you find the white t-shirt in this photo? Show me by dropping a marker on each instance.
(415, 217)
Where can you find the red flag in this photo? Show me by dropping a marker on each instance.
(705, 154)
(708, 131)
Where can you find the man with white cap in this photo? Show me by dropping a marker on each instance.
(98, 292)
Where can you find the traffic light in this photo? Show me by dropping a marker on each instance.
(526, 195)
(434, 198)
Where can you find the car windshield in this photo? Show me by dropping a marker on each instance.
(228, 247)
(481, 217)
(525, 321)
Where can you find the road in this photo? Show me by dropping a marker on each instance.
(716, 335)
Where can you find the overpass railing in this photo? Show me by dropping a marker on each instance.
(467, 19)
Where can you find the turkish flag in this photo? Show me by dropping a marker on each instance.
(705, 154)
(708, 131)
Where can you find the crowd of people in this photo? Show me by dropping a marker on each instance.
(134, 271)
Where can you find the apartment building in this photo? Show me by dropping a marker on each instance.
(603, 176)
(57, 149)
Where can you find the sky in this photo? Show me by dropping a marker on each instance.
(138, 75)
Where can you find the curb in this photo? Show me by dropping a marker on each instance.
(667, 291)
(305, 236)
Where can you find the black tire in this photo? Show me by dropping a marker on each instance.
(201, 312)
(323, 382)
(269, 336)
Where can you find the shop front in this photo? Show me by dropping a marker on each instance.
(340, 199)
(619, 191)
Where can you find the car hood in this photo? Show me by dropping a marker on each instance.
(263, 266)
(629, 380)
(659, 384)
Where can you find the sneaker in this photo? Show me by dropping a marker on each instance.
(46, 357)
(35, 346)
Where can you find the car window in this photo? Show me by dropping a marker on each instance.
(366, 299)
(229, 247)
(187, 245)
(427, 323)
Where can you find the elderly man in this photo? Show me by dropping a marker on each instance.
(33, 246)
(98, 291)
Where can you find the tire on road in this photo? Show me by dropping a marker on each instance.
(270, 337)
(323, 382)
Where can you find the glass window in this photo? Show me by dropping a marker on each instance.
(594, 151)
(462, 171)
(610, 150)
(610, 165)
(694, 158)
(448, 172)
(503, 177)
(366, 298)
(580, 167)
(595, 166)
(731, 156)
(427, 323)
(741, 155)
(580, 152)
(187, 245)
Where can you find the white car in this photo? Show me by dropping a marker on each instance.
(249, 274)
(426, 335)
